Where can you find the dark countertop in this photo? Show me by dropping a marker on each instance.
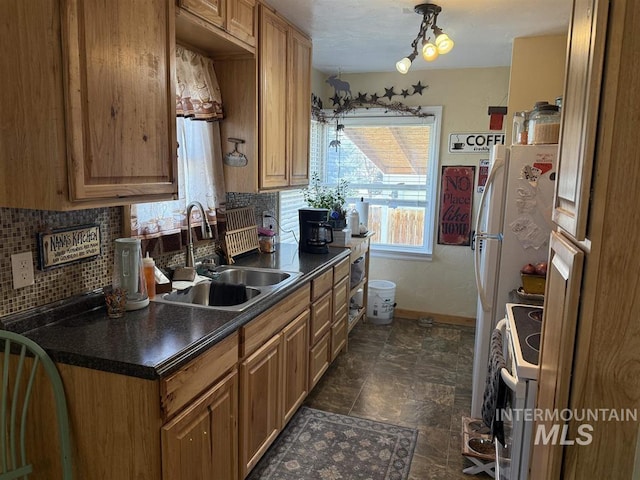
(155, 341)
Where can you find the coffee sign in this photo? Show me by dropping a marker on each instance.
(59, 247)
(474, 142)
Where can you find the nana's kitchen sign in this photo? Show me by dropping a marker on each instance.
(62, 246)
(474, 142)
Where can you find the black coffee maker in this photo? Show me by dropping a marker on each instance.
(315, 232)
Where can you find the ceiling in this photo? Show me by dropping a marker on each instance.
(351, 36)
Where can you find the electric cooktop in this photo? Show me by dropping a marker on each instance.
(525, 325)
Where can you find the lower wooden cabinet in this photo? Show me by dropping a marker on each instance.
(202, 441)
(321, 317)
(273, 384)
(340, 316)
(295, 345)
(339, 336)
(319, 359)
(260, 407)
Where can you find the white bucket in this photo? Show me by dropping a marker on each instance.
(381, 301)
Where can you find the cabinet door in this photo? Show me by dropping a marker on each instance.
(202, 442)
(210, 10)
(587, 35)
(273, 100)
(241, 20)
(260, 410)
(564, 279)
(299, 107)
(120, 100)
(295, 354)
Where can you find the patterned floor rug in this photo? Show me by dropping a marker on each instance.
(318, 445)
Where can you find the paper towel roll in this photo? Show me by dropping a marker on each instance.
(363, 212)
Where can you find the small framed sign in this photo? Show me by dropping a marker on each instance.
(456, 201)
(68, 245)
(474, 142)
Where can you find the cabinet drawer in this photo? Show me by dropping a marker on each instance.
(338, 335)
(321, 284)
(319, 359)
(258, 331)
(341, 270)
(358, 248)
(321, 317)
(341, 295)
(184, 385)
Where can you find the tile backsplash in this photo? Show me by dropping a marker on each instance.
(18, 229)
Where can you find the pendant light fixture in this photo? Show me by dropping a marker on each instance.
(430, 50)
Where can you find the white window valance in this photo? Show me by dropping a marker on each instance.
(200, 171)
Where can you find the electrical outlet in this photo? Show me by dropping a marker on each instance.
(268, 219)
(22, 269)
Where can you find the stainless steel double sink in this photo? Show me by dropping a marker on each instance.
(256, 282)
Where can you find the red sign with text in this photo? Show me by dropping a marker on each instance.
(456, 202)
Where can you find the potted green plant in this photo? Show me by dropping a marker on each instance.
(333, 199)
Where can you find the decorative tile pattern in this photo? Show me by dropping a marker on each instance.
(18, 229)
(329, 446)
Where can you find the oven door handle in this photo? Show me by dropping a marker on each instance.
(509, 379)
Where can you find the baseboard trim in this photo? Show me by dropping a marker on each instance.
(437, 317)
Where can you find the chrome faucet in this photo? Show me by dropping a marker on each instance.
(206, 231)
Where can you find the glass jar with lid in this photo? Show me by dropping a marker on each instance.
(520, 124)
(544, 125)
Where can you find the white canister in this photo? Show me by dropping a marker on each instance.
(353, 222)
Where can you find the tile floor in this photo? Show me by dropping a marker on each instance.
(411, 375)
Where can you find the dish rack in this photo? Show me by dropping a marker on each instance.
(242, 232)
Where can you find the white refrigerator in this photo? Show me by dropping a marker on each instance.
(513, 226)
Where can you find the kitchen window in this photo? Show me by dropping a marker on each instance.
(389, 160)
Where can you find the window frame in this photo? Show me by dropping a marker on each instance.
(382, 116)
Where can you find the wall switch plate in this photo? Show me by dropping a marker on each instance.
(22, 269)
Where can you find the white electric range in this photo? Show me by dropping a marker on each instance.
(521, 330)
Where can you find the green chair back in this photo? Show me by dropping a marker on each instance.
(17, 386)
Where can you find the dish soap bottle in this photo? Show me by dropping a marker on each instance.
(149, 267)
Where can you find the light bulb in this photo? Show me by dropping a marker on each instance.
(429, 52)
(444, 43)
(403, 65)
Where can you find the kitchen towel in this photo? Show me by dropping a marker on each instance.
(225, 294)
(495, 392)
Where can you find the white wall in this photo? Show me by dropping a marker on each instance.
(444, 285)
(537, 72)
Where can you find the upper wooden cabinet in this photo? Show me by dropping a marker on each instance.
(92, 119)
(268, 104)
(235, 17)
(299, 112)
(585, 57)
(285, 102)
(213, 11)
